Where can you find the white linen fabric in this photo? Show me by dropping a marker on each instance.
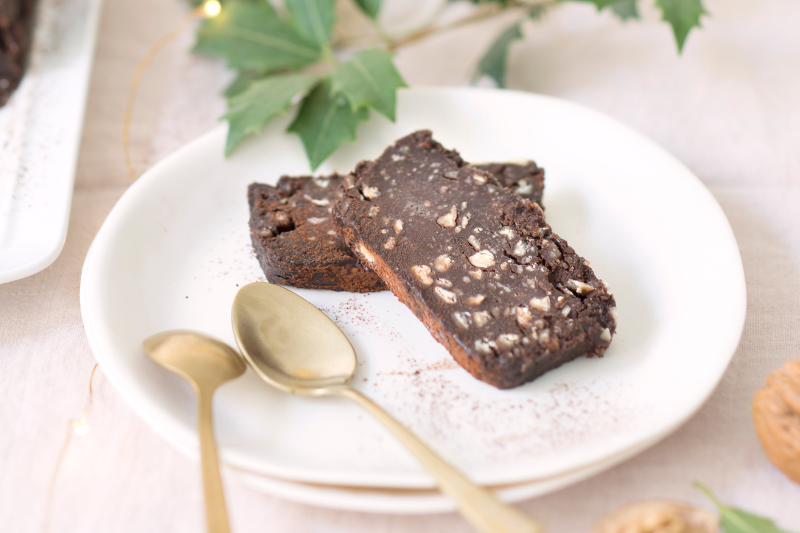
(729, 108)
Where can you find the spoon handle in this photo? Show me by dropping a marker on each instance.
(216, 513)
(477, 504)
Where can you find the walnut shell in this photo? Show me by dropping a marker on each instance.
(658, 516)
(776, 415)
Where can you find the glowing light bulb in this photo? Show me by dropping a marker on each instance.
(80, 427)
(211, 8)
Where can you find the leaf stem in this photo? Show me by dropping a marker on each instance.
(705, 490)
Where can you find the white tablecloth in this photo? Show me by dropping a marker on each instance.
(729, 108)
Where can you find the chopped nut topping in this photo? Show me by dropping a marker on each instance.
(524, 317)
(423, 274)
(444, 282)
(542, 304)
(464, 219)
(579, 286)
(442, 263)
(475, 300)
(605, 335)
(479, 178)
(320, 203)
(476, 274)
(266, 233)
(446, 296)
(473, 240)
(389, 245)
(550, 251)
(519, 249)
(544, 336)
(613, 312)
(448, 220)
(482, 259)
(397, 157)
(566, 310)
(349, 181)
(317, 220)
(463, 205)
(373, 211)
(480, 318)
(462, 319)
(365, 253)
(322, 183)
(370, 192)
(517, 269)
(484, 347)
(507, 232)
(398, 226)
(451, 174)
(506, 341)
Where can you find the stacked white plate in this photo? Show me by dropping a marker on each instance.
(174, 250)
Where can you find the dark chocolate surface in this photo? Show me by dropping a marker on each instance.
(293, 236)
(314, 247)
(476, 263)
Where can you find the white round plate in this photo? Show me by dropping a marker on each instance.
(176, 247)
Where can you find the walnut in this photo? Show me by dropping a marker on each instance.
(448, 220)
(370, 192)
(776, 415)
(657, 516)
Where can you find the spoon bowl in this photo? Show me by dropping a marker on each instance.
(290, 343)
(293, 346)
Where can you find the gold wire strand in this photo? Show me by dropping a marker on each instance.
(173, 34)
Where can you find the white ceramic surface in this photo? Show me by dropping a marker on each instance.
(410, 501)
(40, 132)
(176, 247)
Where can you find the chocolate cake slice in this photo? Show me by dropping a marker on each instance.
(476, 263)
(293, 237)
(316, 258)
(16, 17)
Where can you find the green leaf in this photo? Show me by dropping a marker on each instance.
(251, 110)
(601, 4)
(325, 122)
(536, 12)
(735, 520)
(682, 15)
(369, 79)
(370, 7)
(253, 37)
(493, 62)
(625, 9)
(312, 18)
(241, 82)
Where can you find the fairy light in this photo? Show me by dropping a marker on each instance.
(209, 9)
(80, 427)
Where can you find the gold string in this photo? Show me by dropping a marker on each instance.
(209, 9)
(78, 427)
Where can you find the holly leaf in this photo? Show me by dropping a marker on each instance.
(370, 7)
(251, 110)
(682, 15)
(625, 9)
(493, 62)
(253, 37)
(735, 520)
(369, 79)
(241, 82)
(313, 19)
(325, 122)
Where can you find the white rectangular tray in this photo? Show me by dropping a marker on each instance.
(40, 132)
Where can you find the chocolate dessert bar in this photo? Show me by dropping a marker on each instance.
(476, 263)
(16, 18)
(292, 233)
(306, 202)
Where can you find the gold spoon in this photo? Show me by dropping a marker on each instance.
(294, 347)
(206, 364)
